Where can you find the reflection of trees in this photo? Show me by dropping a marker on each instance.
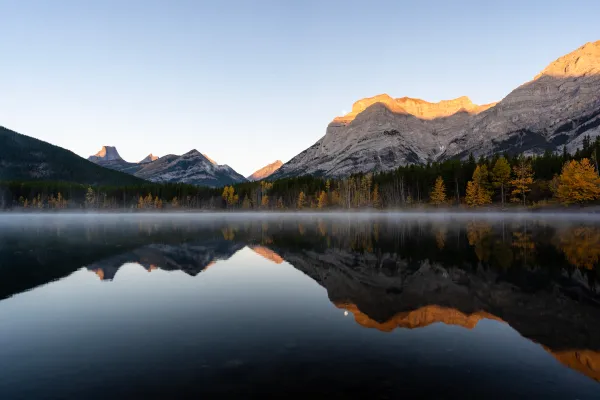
(479, 236)
(503, 254)
(581, 245)
(523, 242)
(228, 233)
(322, 228)
(440, 236)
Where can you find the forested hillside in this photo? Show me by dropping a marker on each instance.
(23, 158)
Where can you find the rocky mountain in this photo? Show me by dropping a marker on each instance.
(106, 153)
(265, 171)
(193, 168)
(149, 158)
(557, 108)
(25, 158)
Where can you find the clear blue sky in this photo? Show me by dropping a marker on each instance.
(249, 82)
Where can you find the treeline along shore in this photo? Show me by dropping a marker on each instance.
(501, 180)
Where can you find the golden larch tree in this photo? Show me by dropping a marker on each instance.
(522, 180)
(577, 183)
(501, 176)
(438, 194)
(301, 200)
(477, 192)
(264, 202)
(375, 199)
(322, 203)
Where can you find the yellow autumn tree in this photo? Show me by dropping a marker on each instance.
(477, 188)
(301, 200)
(501, 176)
(375, 197)
(264, 202)
(577, 183)
(174, 202)
(522, 180)
(322, 202)
(229, 195)
(438, 194)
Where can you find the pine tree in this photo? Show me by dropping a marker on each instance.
(246, 204)
(501, 175)
(438, 194)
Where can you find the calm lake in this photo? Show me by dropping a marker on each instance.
(331, 306)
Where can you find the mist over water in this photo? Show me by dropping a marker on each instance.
(342, 305)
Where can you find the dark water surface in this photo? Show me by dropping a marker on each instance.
(261, 306)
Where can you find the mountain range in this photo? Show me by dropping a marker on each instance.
(554, 111)
(192, 168)
(557, 108)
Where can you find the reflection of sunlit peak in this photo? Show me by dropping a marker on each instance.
(267, 253)
(419, 318)
(210, 264)
(152, 268)
(99, 272)
(585, 361)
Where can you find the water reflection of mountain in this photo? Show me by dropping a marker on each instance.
(191, 258)
(386, 293)
(541, 279)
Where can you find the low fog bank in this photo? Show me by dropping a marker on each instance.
(24, 219)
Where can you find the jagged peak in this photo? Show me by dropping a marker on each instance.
(265, 171)
(106, 153)
(583, 61)
(149, 158)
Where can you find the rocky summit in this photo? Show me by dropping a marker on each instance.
(265, 171)
(192, 167)
(556, 109)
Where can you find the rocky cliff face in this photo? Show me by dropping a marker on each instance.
(106, 153)
(192, 167)
(265, 171)
(557, 108)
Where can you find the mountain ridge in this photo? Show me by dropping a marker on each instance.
(265, 171)
(192, 167)
(557, 108)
